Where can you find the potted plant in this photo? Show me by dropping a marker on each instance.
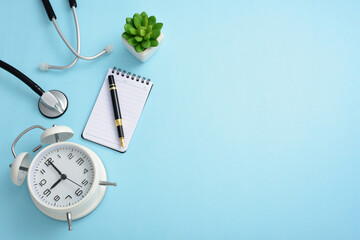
(142, 36)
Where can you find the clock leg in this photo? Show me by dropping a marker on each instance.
(68, 216)
(105, 183)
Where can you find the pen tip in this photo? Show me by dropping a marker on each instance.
(122, 142)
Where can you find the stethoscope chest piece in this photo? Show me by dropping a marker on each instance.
(52, 104)
(54, 113)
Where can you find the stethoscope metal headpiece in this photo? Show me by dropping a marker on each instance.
(52, 17)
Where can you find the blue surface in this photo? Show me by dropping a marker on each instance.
(251, 130)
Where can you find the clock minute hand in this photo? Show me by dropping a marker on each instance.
(55, 168)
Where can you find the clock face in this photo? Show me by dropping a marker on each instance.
(62, 175)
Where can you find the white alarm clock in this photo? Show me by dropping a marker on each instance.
(66, 181)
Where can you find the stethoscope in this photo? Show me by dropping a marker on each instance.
(52, 104)
(52, 17)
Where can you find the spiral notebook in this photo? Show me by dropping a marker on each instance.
(133, 91)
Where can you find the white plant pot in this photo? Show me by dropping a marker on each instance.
(144, 55)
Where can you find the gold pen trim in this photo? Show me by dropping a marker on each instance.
(118, 122)
(122, 142)
(112, 88)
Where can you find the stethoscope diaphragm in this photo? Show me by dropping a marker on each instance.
(52, 104)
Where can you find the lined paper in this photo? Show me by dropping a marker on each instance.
(132, 95)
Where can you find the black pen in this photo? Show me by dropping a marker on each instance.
(116, 106)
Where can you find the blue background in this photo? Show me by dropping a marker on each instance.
(251, 130)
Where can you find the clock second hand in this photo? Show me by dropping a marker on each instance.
(73, 182)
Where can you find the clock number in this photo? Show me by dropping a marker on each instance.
(70, 155)
(84, 182)
(80, 161)
(68, 196)
(42, 171)
(42, 182)
(56, 198)
(78, 192)
(85, 170)
(47, 162)
(47, 192)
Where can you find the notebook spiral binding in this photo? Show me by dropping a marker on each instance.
(133, 76)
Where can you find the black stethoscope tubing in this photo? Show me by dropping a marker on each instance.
(52, 104)
(36, 88)
(50, 11)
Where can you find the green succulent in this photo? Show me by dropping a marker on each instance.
(142, 31)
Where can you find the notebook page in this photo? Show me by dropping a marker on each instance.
(101, 128)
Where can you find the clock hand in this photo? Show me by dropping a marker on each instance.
(54, 185)
(73, 182)
(55, 168)
(63, 177)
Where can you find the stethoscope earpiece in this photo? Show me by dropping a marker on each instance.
(44, 67)
(52, 17)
